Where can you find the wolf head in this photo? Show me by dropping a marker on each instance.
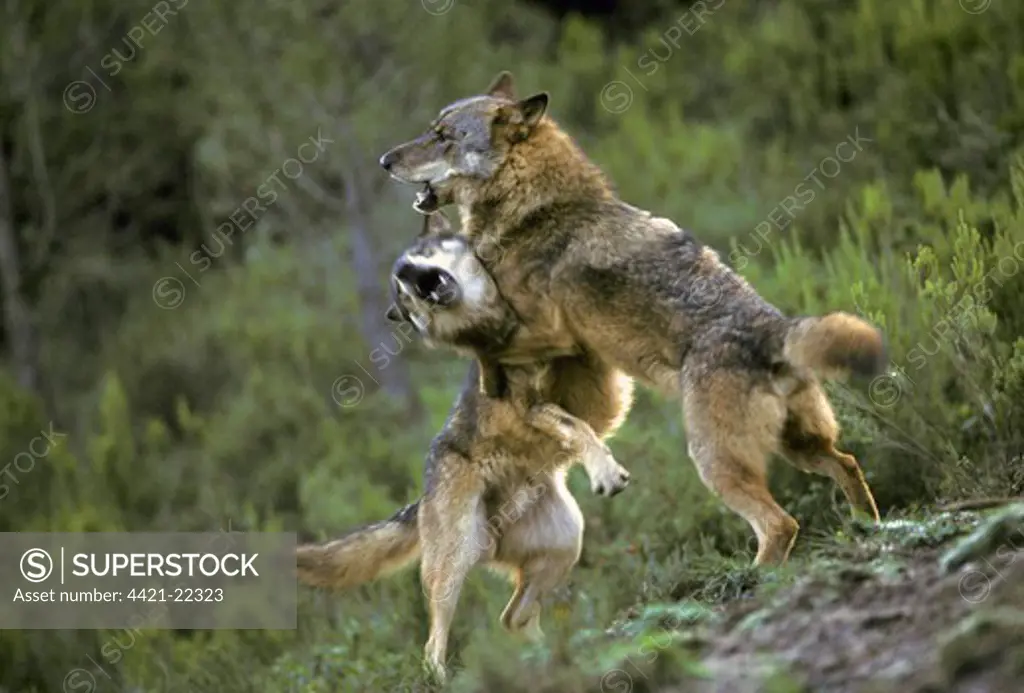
(471, 138)
(441, 288)
(500, 160)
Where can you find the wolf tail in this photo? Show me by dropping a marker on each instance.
(834, 346)
(364, 554)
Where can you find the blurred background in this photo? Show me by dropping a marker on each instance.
(195, 236)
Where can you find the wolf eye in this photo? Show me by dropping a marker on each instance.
(449, 135)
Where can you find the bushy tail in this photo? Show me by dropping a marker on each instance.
(363, 554)
(834, 346)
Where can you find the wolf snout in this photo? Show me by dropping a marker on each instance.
(387, 160)
(431, 284)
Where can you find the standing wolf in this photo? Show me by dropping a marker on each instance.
(585, 269)
(494, 481)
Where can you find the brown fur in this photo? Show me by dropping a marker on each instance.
(363, 555)
(588, 271)
(834, 346)
(495, 475)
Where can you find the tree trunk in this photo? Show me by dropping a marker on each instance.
(373, 304)
(17, 318)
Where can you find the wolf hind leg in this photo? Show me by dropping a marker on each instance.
(733, 427)
(747, 495)
(454, 537)
(544, 545)
(844, 470)
(808, 443)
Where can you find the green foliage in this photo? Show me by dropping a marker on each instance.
(945, 421)
(226, 409)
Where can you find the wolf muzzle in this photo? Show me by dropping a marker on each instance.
(433, 285)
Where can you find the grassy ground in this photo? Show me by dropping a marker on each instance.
(923, 604)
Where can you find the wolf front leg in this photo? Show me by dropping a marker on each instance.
(607, 476)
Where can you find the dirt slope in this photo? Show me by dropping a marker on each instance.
(928, 606)
(901, 619)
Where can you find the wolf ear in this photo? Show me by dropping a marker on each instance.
(533, 109)
(502, 86)
(521, 118)
(435, 223)
(393, 314)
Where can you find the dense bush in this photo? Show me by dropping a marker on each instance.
(225, 393)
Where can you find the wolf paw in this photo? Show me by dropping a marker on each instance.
(610, 478)
(435, 671)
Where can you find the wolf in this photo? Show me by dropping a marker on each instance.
(495, 489)
(589, 271)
